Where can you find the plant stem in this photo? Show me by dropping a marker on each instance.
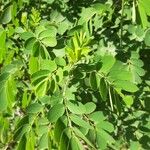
(110, 98)
(121, 23)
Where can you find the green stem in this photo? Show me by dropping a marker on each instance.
(121, 23)
(64, 97)
(110, 98)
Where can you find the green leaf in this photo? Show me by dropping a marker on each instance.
(34, 108)
(49, 41)
(41, 88)
(26, 35)
(80, 122)
(7, 92)
(107, 63)
(53, 85)
(64, 141)
(36, 49)
(22, 143)
(103, 89)
(50, 32)
(48, 65)
(3, 44)
(75, 144)
(137, 62)
(147, 38)
(135, 145)
(126, 85)
(39, 74)
(105, 125)
(97, 117)
(49, 1)
(101, 142)
(90, 107)
(120, 75)
(128, 100)
(83, 137)
(139, 71)
(60, 61)
(94, 80)
(86, 15)
(104, 138)
(21, 131)
(30, 140)
(56, 112)
(146, 4)
(33, 65)
(59, 129)
(59, 75)
(143, 15)
(3, 98)
(6, 15)
(76, 107)
(43, 142)
(30, 43)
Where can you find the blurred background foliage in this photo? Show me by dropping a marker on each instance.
(74, 74)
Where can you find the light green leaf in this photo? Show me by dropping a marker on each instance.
(128, 100)
(104, 138)
(86, 14)
(41, 88)
(80, 122)
(137, 62)
(48, 65)
(59, 75)
(97, 117)
(75, 144)
(107, 63)
(3, 98)
(106, 126)
(126, 85)
(30, 140)
(33, 65)
(49, 41)
(26, 35)
(50, 32)
(56, 112)
(147, 38)
(34, 108)
(3, 44)
(90, 107)
(143, 15)
(120, 75)
(60, 61)
(76, 107)
(43, 142)
(101, 141)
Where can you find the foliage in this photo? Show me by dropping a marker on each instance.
(74, 75)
